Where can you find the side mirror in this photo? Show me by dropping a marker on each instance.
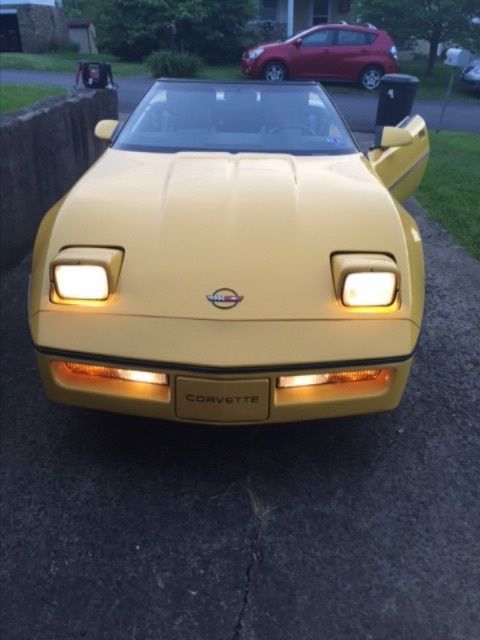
(386, 137)
(297, 43)
(105, 128)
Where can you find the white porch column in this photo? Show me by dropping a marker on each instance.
(290, 11)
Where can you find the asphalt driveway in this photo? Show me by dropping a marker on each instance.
(121, 528)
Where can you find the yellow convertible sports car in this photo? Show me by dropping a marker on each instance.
(233, 258)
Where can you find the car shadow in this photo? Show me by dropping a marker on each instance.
(229, 453)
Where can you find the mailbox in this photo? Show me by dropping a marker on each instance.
(457, 57)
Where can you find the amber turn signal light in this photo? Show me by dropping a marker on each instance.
(129, 375)
(339, 377)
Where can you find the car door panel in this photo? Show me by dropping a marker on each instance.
(314, 57)
(313, 63)
(346, 59)
(401, 169)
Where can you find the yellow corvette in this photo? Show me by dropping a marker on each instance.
(233, 258)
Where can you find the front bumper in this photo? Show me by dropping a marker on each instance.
(216, 397)
(223, 360)
(250, 68)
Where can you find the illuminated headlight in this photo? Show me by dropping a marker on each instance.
(87, 275)
(255, 53)
(81, 282)
(371, 289)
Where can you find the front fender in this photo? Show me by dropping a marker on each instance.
(39, 257)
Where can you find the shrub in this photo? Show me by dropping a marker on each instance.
(172, 64)
(64, 47)
(132, 29)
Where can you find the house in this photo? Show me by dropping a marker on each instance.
(32, 26)
(297, 15)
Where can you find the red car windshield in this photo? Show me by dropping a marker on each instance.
(293, 118)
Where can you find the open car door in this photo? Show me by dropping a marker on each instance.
(400, 156)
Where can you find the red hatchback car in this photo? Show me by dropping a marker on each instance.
(340, 52)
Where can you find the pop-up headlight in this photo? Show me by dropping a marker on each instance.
(85, 274)
(81, 281)
(365, 280)
(369, 289)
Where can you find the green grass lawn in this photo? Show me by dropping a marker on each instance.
(224, 72)
(67, 62)
(16, 96)
(450, 190)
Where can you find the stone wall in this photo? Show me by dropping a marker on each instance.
(44, 150)
(40, 26)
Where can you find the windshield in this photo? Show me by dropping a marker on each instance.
(301, 34)
(291, 118)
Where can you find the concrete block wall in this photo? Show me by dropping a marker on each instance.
(44, 150)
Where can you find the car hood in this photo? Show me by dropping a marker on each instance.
(473, 64)
(263, 226)
(267, 45)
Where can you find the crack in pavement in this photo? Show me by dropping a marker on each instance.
(261, 512)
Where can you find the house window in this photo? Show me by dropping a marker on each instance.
(321, 13)
(268, 10)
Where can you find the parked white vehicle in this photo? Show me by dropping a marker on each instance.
(471, 74)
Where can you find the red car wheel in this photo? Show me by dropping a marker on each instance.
(370, 77)
(275, 72)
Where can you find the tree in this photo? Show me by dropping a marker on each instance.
(134, 28)
(431, 20)
(472, 39)
(90, 9)
(214, 29)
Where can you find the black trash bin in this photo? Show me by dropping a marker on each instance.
(395, 102)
